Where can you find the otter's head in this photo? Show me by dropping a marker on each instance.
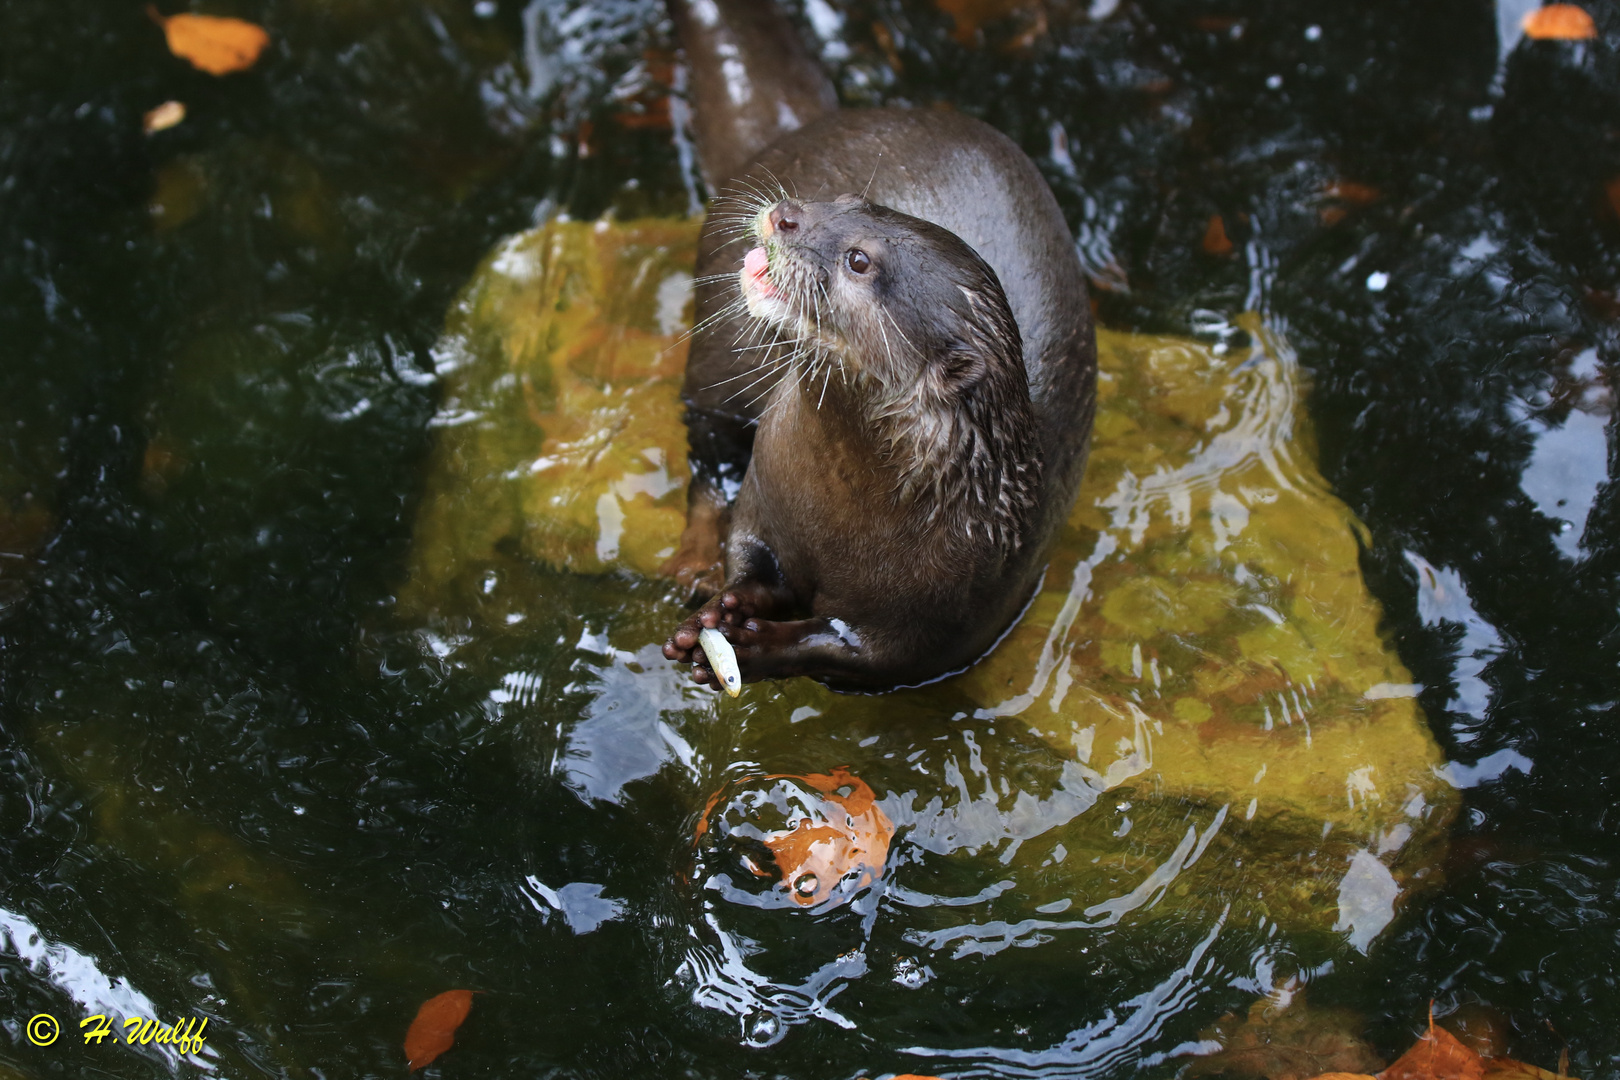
(889, 296)
(912, 315)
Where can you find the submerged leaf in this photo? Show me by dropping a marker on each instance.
(1438, 1055)
(434, 1029)
(1560, 22)
(1215, 239)
(1290, 1041)
(823, 832)
(216, 45)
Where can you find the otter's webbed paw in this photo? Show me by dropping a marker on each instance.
(766, 648)
(726, 613)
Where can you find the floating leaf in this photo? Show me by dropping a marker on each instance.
(825, 834)
(1560, 22)
(164, 117)
(814, 858)
(1353, 193)
(1215, 240)
(1438, 1055)
(434, 1029)
(216, 45)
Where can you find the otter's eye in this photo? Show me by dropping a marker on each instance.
(858, 261)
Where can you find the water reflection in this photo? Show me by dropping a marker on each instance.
(625, 732)
(1570, 458)
(82, 979)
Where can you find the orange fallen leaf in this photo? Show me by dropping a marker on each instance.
(216, 45)
(834, 844)
(650, 114)
(969, 15)
(885, 40)
(1436, 1056)
(1353, 193)
(815, 858)
(164, 117)
(434, 1029)
(1215, 241)
(1560, 22)
(1439, 1055)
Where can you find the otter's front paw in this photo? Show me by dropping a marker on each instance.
(729, 614)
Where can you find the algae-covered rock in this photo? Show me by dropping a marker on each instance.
(1204, 650)
(560, 433)
(1205, 631)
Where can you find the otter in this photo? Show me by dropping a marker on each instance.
(891, 383)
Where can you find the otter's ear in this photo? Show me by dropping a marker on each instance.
(986, 328)
(963, 363)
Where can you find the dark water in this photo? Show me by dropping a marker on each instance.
(233, 787)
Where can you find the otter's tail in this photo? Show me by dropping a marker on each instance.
(751, 80)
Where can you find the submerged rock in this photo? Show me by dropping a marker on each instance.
(1196, 723)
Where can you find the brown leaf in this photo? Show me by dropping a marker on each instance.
(885, 40)
(1215, 241)
(1612, 190)
(434, 1029)
(1343, 1076)
(1353, 193)
(164, 117)
(1436, 1056)
(216, 45)
(969, 15)
(814, 858)
(1560, 22)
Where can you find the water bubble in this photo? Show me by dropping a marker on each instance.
(761, 1028)
(805, 884)
(1376, 281)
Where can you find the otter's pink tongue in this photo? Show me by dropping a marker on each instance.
(756, 265)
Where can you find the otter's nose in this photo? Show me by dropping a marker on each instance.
(784, 217)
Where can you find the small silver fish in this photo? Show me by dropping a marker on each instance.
(722, 659)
